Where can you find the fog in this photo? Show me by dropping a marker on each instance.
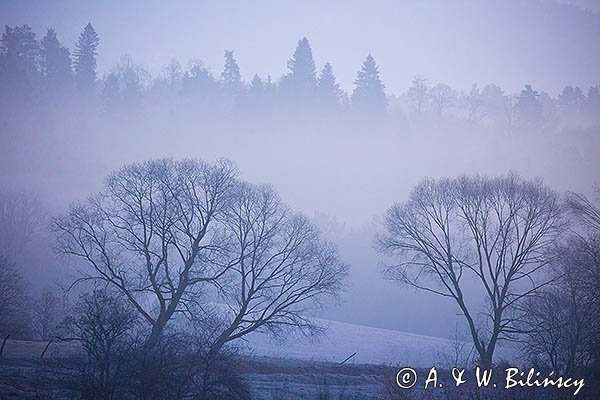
(345, 170)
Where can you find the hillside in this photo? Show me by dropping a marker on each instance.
(372, 346)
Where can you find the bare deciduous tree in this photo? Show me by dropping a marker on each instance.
(103, 323)
(14, 319)
(585, 211)
(282, 270)
(47, 314)
(494, 231)
(563, 325)
(152, 233)
(418, 93)
(442, 97)
(21, 217)
(164, 232)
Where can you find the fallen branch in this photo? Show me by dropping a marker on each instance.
(46, 348)
(349, 357)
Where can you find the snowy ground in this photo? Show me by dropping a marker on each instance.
(296, 369)
(340, 340)
(371, 345)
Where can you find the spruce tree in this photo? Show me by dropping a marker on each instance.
(56, 61)
(327, 87)
(257, 86)
(369, 93)
(301, 80)
(111, 93)
(200, 83)
(85, 54)
(528, 108)
(571, 98)
(231, 79)
(19, 51)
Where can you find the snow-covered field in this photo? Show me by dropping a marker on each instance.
(340, 340)
(371, 345)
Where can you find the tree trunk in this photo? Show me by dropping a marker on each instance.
(485, 359)
(150, 363)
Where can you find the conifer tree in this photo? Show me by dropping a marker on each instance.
(199, 82)
(592, 102)
(19, 51)
(111, 93)
(254, 98)
(327, 87)
(258, 97)
(85, 54)
(56, 61)
(369, 93)
(571, 98)
(257, 86)
(528, 108)
(231, 79)
(301, 80)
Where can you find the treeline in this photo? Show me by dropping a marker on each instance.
(35, 71)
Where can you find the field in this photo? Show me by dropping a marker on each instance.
(297, 368)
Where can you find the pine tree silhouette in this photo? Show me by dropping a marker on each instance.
(301, 81)
(327, 87)
(528, 108)
(231, 79)
(19, 50)
(111, 94)
(571, 98)
(369, 94)
(85, 54)
(198, 82)
(56, 61)
(257, 87)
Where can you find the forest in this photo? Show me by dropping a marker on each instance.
(36, 73)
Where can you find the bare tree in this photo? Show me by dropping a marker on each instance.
(21, 217)
(543, 328)
(167, 234)
(442, 97)
(104, 324)
(282, 270)
(494, 231)
(418, 93)
(47, 311)
(14, 318)
(585, 211)
(153, 234)
(164, 232)
(587, 269)
(173, 73)
(562, 325)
